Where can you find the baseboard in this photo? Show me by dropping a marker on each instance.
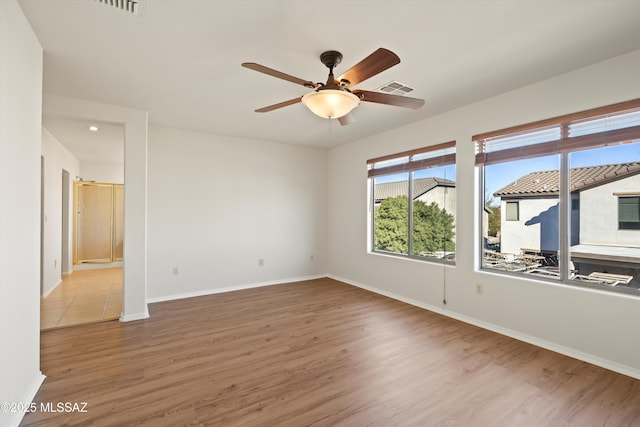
(391, 295)
(136, 316)
(46, 294)
(567, 351)
(232, 288)
(14, 418)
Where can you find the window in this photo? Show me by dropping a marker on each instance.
(413, 203)
(629, 212)
(512, 212)
(569, 188)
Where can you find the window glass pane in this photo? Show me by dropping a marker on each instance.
(391, 213)
(434, 207)
(521, 217)
(628, 210)
(605, 230)
(512, 211)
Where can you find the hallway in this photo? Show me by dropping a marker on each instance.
(85, 296)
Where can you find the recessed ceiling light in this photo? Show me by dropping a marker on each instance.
(93, 128)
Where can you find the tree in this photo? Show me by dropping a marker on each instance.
(391, 225)
(493, 207)
(432, 227)
(494, 221)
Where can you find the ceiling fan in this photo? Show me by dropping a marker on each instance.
(335, 99)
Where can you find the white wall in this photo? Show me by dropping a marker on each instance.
(102, 172)
(594, 326)
(219, 204)
(20, 128)
(56, 159)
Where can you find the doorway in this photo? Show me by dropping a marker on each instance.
(86, 288)
(132, 140)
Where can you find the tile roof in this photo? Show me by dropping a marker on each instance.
(547, 183)
(399, 188)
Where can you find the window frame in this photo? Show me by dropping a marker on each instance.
(566, 141)
(517, 210)
(407, 162)
(636, 223)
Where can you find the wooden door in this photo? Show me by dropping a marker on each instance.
(98, 223)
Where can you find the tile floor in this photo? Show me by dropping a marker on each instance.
(85, 296)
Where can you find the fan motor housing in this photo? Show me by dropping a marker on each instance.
(331, 58)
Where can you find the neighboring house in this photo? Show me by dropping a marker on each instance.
(605, 214)
(428, 190)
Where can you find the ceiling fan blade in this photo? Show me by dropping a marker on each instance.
(385, 98)
(278, 74)
(278, 105)
(347, 119)
(373, 64)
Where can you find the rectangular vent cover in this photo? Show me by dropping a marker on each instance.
(131, 6)
(395, 88)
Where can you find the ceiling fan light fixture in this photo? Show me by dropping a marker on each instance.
(330, 103)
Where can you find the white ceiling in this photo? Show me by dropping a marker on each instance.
(106, 145)
(181, 59)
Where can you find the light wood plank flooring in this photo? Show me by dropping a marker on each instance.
(317, 353)
(85, 296)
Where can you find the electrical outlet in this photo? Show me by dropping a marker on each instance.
(175, 271)
(260, 262)
(479, 288)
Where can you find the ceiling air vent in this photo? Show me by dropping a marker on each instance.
(131, 6)
(395, 88)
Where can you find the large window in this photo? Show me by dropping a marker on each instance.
(562, 198)
(413, 203)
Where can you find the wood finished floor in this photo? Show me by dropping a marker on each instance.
(319, 353)
(84, 296)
